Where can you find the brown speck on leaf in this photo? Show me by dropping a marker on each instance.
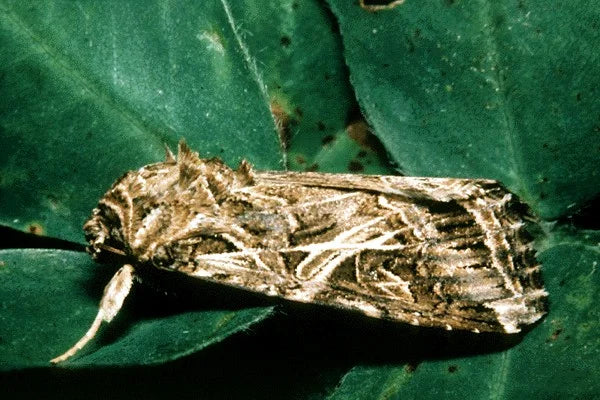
(35, 229)
(355, 166)
(282, 124)
(300, 159)
(554, 335)
(359, 131)
(412, 366)
(379, 5)
(327, 140)
(285, 41)
(313, 167)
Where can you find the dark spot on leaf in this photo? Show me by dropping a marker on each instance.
(361, 154)
(35, 229)
(359, 132)
(545, 145)
(320, 126)
(313, 167)
(282, 124)
(327, 140)
(452, 368)
(295, 6)
(300, 159)
(386, 65)
(554, 335)
(285, 41)
(449, 3)
(410, 45)
(562, 282)
(355, 166)
(499, 21)
(327, 77)
(412, 366)
(578, 97)
(298, 112)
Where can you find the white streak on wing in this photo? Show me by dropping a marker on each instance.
(489, 239)
(514, 311)
(237, 243)
(147, 222)
(397, 282)
(313, 254)
(332, 199)
(374, 244)
(195, 222)
(215, 263)
(344, 236)
(251, 190)
(259, 262)
(328, 268)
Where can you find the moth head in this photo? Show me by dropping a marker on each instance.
(103, 233)
(159, 200)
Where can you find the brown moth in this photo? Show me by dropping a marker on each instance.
(438, 252)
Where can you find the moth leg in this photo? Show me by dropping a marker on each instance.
(114, 295)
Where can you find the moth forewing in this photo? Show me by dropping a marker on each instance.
(441, 252)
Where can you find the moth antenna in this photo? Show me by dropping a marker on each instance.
(169, 156)
(112, 300)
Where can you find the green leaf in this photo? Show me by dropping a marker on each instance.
(90, 92)
(498, 89)
(307, 85)
(45, 309)
(558, 359)
(92, 89)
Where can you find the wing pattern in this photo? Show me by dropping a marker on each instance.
(450, 253)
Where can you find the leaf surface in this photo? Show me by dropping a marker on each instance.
(48, 298)
(497, 89)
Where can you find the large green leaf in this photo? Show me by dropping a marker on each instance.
(558, 359)
(89, 92)
(45, 309)
(499, 89)
(93, 89)
(307, 85)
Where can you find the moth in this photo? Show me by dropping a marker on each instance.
(436, 252)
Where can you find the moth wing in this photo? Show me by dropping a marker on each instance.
(439, 189)
(429, 287)
(440, 252)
